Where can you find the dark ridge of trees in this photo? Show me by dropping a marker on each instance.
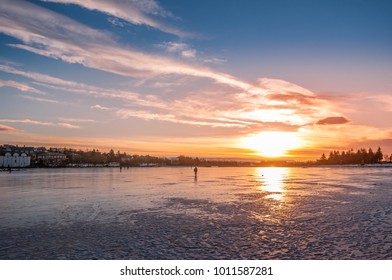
(361, 156)
(97, 158)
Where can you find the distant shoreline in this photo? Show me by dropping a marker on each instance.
(378, 165)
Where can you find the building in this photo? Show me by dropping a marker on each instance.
(15, 160)
(52, 158)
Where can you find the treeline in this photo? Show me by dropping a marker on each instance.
(96, 157)
(361, 156)
(99, 158)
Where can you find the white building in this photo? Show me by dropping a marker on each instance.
(114, 164)
(14, 160)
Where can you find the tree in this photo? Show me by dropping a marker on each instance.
(111, 155)
(343, 158)
(370, 156)
(362, 156)
(378, 155)
(323, 159)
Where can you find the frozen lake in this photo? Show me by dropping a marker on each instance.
(224, 213)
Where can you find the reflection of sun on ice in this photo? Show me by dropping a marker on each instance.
(272, 180)
(273, 143)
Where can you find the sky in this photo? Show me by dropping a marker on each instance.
(218, 79)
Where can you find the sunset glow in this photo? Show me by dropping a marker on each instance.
(273, 143)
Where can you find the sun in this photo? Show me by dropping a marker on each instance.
(273, 143)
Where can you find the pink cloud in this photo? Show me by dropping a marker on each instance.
(99, 107)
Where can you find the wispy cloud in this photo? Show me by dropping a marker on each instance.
(116, 22)
(77, 120)
(69, 86)
(181, 49)
(329, 137)
(285, 105)
(67, 125)
(8, 129)
(34, 122)
(225, 107)
(173, 47)
(99, 107)
(141, 12)
(39, 99)
(20, 86)
(214, 60)
(25, 121)
(383, 99)
(37, 76)
(49, 34)
(189, 53)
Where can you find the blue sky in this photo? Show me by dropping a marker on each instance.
(211, 78)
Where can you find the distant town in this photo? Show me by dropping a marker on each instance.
(14, 156)
(22, 156)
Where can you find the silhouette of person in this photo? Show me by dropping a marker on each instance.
(195, 170)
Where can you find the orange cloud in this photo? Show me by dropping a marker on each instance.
(28, 121)
(6, 128)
